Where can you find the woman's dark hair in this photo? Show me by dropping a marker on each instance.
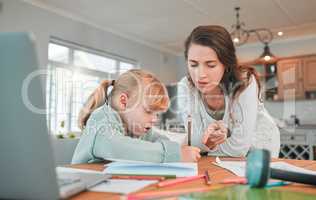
(219, 39)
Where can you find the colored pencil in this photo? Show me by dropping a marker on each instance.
(189, 129)
(166, 176)
(237, 180)
(276, 184)
(207, 178)
(179, 180)
(158, 178)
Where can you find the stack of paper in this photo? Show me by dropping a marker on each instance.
(239, 167)
(146, 168)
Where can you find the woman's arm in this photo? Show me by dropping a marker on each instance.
(244, 112)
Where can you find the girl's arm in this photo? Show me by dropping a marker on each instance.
(109, 143)
(124, 147)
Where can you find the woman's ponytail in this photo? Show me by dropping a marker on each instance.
(96, 99)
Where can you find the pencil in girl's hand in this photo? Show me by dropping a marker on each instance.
(207, 178)
(189, 129)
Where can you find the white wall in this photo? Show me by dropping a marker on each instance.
(182, 67)
(304, 110)
(17, 15)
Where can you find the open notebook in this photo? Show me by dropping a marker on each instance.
(125, 167)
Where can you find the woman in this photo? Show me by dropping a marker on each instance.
(223, 98)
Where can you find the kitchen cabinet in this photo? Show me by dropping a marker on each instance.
(309, 72)
(290, 79)
(296, 77)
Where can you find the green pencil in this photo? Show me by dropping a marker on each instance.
(167, 176)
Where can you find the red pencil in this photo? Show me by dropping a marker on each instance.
(235, 180)
(179, 180)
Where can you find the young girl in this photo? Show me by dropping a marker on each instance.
(118, 125)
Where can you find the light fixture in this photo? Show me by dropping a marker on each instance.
(240, 36)
(267, 56)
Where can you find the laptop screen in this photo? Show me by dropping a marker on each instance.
(27, 165)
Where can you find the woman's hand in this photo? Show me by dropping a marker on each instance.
(215, 134)
(190, 154)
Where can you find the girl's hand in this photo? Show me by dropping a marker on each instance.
(190, 154)
(215, 134)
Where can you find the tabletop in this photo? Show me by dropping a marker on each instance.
(205, 163)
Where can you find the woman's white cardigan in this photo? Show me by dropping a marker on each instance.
(249, 122)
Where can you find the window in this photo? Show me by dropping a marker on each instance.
(75, 72)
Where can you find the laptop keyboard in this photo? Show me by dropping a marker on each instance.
(67, 181)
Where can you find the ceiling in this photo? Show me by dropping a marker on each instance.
(164, 24)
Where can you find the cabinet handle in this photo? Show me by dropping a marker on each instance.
(292, 137)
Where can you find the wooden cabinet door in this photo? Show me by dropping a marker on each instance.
(290, 78)
(309, 70)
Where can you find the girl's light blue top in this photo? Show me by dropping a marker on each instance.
(104, 138)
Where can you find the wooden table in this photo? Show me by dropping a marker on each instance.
(205, 163)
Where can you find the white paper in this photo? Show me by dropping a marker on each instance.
(75, 170)
(239, 167)
(288, 167)
(178, 169)
(236, 167)
(122, 186)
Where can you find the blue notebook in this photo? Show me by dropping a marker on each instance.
(177, 169)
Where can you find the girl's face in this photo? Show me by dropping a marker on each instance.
(138, 118)
(204, 67)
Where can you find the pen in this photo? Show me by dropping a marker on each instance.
(277, 183)
(179, 180)
(189, 129)
(207, 178)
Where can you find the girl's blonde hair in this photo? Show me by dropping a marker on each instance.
(137, 84)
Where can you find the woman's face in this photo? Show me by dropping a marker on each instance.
(204, 67)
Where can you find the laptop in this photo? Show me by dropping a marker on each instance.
(27, 166)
